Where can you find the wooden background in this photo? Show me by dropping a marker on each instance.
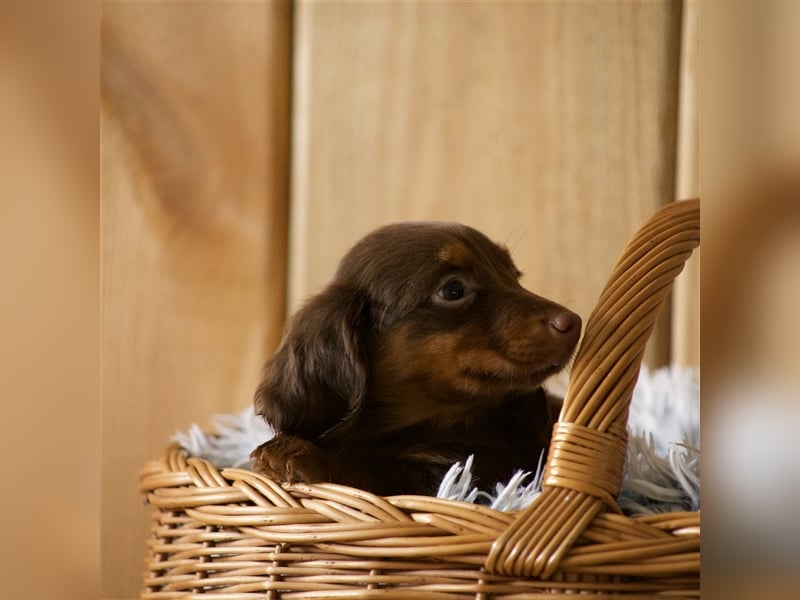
(247, 145)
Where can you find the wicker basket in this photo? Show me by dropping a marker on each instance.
(236, 535)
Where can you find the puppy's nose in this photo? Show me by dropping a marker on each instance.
(565, 321)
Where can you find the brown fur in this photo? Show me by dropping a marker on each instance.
(381, 382)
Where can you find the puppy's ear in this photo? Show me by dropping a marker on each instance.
(318, 375)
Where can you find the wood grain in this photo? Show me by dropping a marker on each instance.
(550, 126)
(194, 187)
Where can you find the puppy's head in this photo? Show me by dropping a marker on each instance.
(427, 320)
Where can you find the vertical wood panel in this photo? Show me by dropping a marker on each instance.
(550, 126)
(195, 183)
(686, 304)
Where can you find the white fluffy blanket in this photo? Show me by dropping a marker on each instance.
(662, 473)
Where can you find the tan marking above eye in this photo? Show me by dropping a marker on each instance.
(455, 254)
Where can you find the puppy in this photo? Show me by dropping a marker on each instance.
(422, 350)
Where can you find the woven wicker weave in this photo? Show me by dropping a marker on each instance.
(233, 534)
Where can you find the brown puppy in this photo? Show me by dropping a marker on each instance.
(423, 349)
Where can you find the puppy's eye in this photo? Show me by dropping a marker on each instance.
(452, 291)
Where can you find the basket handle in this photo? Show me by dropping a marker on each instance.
(589, 443)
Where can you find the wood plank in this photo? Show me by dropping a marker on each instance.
(550, 126)
(194, 186)
(686, 303)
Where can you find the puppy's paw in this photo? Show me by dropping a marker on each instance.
(290, 459)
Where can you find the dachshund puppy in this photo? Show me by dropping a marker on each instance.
(422, 350)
